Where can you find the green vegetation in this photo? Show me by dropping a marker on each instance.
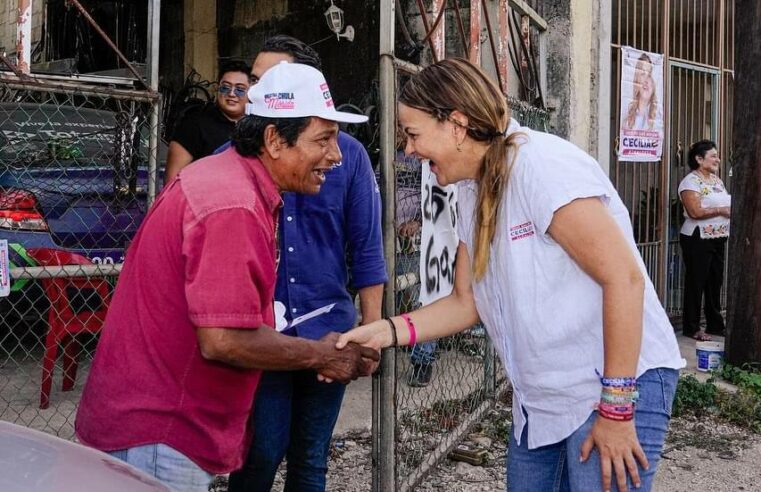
(742, 408)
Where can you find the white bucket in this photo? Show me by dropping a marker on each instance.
(709, 355)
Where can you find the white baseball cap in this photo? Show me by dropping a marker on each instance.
(294, 90)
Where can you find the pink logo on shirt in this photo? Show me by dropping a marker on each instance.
(522, 231)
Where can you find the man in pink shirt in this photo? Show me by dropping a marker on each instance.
(190, 326)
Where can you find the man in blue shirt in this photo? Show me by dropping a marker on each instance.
(294, 413)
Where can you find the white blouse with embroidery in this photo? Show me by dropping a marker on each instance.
(713, 194)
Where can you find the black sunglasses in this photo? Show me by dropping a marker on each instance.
(237, 91)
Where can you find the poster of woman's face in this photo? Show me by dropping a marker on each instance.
(641, 105)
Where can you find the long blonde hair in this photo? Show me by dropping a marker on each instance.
(456, 84)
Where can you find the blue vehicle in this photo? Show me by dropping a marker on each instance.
(71, 178)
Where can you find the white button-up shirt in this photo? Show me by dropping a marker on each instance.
(542, 312)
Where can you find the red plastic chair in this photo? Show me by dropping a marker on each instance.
(64, 322)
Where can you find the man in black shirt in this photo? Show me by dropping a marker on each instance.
(200, 133)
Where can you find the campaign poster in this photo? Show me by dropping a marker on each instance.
(641, 132)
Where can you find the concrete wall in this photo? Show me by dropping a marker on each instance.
(578, 72)
(8, 14)
(200, 28)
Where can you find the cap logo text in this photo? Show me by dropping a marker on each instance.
(280, 100)
(326, 95)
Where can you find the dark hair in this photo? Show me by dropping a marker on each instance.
(699, 148)
(233, 66)
(300, 51)
(248, 135)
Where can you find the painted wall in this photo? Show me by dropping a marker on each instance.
(200, 30)
(578, 58)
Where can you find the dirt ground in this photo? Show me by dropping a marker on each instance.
(699, 455)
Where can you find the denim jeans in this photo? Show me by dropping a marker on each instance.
(423, 353)
(556, 467)
(168, 465)
(294, 415)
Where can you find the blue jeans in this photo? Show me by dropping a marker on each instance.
(423, 353)
(168, 465)
(294, 415)
(556, 468)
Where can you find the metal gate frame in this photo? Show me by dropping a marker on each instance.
(651, 23)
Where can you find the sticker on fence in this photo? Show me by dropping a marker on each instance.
(641, 132)
(5, 275)
(439, 238)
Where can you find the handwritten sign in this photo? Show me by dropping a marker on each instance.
(439, 237)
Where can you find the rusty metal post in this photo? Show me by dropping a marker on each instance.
(154, 18)
(492, 45)
(475, 33)
(13, 68)
(384, 384)
(503, 49)
(439, 29)
(24, 36)
(108, 40)
(664, 214)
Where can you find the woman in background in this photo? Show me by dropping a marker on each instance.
(703, 240)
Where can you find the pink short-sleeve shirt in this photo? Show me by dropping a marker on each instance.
(203, 257)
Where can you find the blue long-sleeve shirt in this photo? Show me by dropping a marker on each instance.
(319, 233)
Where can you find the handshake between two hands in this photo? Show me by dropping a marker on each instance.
(346, 363)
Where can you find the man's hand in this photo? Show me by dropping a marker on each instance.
(346, 364)
(409, 228)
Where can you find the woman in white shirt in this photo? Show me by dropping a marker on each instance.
(703, 240)
(547, 261)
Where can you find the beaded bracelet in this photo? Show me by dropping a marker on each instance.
(620, 414)
(607, 398)
(393, 332)
(617, 398)
(618, 382)
(411, 327)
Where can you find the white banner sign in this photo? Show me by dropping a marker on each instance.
(641, 132)
(5, 275)
(438, 245)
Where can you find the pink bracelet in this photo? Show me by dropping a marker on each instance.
(411, 327)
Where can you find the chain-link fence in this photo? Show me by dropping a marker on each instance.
(75, 173)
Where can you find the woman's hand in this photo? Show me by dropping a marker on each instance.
(619, 450)
(376, 335)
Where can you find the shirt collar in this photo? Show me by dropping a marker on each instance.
(267, 187)
(512, 127)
